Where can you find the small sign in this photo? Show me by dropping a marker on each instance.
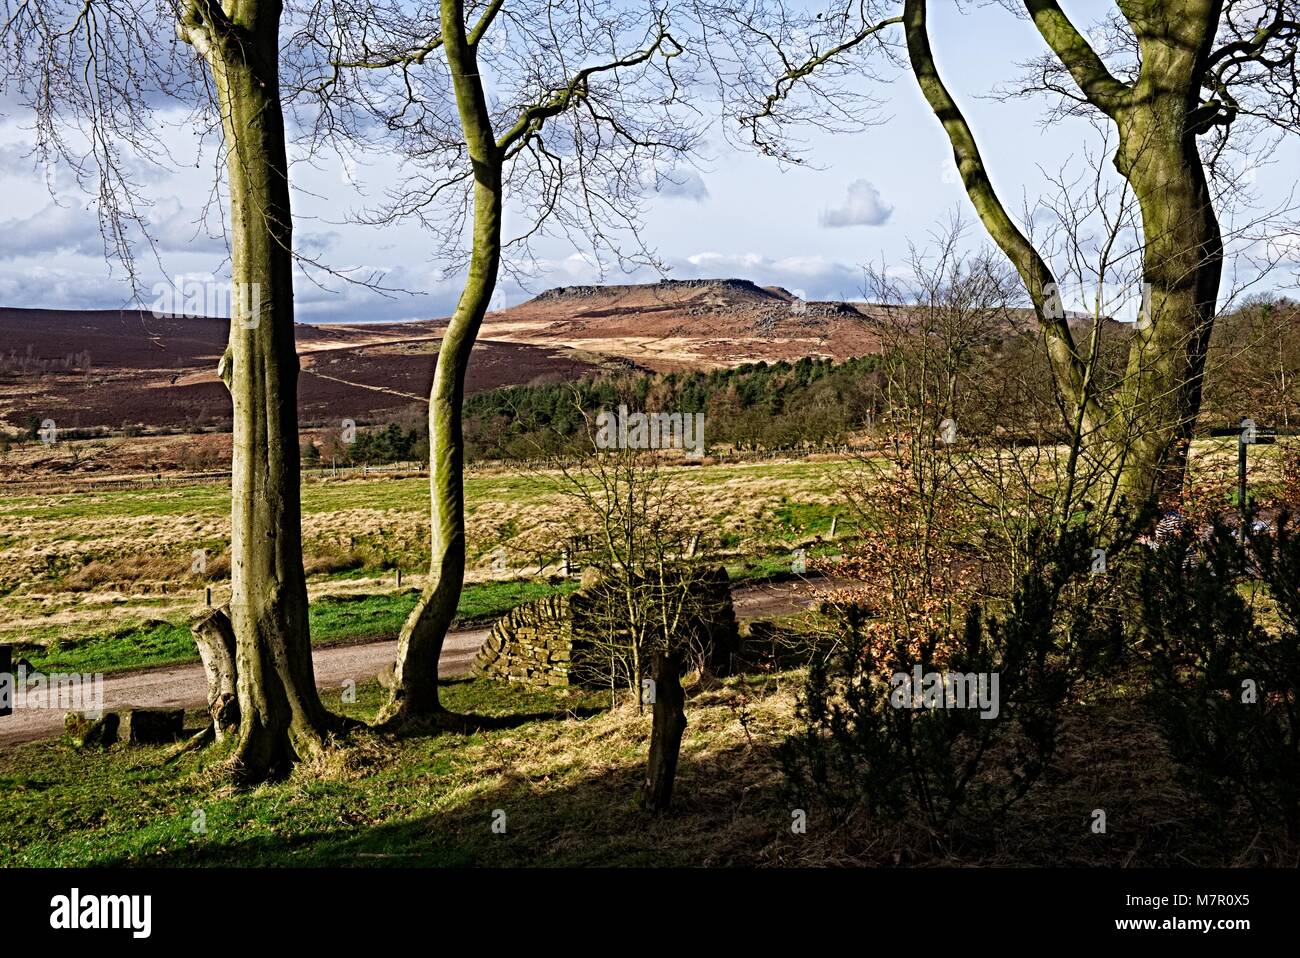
(1248, 433)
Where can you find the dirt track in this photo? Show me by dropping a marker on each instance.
(184, 686)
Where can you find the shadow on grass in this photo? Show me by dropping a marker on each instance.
(518, 822)
(460, 723)
(561, 797)
(470, 714)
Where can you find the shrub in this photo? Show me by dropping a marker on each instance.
(1225, 664)
(862, 747)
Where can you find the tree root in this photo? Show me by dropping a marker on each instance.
(192, 744)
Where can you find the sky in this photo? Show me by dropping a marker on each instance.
(861, 199)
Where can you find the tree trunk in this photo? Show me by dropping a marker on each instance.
(1141, 431)
(281, 716)
(215, 638)
(1068, 367)
(1183, 253)
(7, 676)
(419, 646)
(666, 738)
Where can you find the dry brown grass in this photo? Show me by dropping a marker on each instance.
(574, 782)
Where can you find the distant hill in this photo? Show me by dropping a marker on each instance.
(119, 368)
(686, 324)
(676, 325)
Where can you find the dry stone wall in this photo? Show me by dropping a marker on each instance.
(550, 641)
(533, 643)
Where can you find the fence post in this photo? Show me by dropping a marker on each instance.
(6, 679)
(1241, 482)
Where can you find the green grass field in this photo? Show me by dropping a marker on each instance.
(105, 580)
(562, 770)
(414, 802)
(561, 767)
(334, 620)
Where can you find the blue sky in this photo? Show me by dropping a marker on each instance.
(862, 199)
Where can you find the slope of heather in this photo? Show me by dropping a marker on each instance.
(114, 368)
(119, 368)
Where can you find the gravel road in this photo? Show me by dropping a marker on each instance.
(184, 686)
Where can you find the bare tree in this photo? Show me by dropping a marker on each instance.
(566, 111)
(648, 561)
(1255, 361)
(916, 487)
(1196, 62)
(91, 71)
(1175, 81)
(780, 66)
(654, 597)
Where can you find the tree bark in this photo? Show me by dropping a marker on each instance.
(419, 646)
(1183, 253)
(666, 738)
(1141, 431)
(215, 638)
(282, 719)
(1039, 281)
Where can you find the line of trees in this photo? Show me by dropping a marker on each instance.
(1252, 369)
(779, 405)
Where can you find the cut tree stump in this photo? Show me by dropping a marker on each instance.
(666, 737)
(215, 638)
(150, 726)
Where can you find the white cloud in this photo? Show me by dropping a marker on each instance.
(40, 287)
(53, 229)
(818, 277)
(863, 206)
(177, 229)
(314, 244)
(683, 184)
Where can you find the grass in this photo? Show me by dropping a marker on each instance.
(565, 777)
(777, 567)
(564, 769)
(90, 563)
(334, 620)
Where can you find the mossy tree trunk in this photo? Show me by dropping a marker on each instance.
(282, 719)
(1142, 428)
(1183, 247)
(215, 638)
(415, 687)
(415, 674)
